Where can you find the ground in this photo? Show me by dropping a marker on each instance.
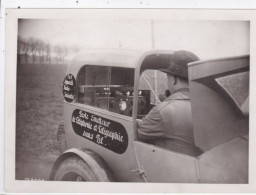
(39, 112)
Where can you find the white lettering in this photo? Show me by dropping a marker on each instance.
(99, 139)
(68, 82)
(66, 88)
(83, 115)
(82, 123)
(70, 96)
(100, 121)
(113, 135)
(88, 135)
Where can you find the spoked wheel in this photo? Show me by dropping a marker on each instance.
(74, 169)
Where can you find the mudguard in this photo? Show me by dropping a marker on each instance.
(95, 162)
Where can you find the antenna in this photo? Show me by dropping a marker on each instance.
(153, 47)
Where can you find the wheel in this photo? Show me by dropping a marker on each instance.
(74, 169)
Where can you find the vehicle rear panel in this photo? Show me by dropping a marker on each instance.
(216, 117)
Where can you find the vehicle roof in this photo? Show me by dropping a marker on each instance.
(111, 57)
(108, 57)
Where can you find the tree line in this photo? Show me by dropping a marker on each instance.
(34, 50)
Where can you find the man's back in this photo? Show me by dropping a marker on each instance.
(169, 125)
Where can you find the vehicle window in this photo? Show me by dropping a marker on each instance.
(237, 87)
(109, 88)
(154, 83)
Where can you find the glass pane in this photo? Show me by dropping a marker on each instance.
(237, 87)
(93, 86)
(152, 86)
(109, 88)
(122, 76)
(97, 75)
(121, 90)
(156, 82)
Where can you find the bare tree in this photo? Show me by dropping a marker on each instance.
(65, 52)
(74, 49)
(61, 53)
(19, 48)
(48, 52)
(44, 52)
(32, 42)
(58, 52)
(22, 49)
(41, 47)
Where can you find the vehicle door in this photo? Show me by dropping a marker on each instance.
(100, 116)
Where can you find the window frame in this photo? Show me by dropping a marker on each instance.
(133, 70)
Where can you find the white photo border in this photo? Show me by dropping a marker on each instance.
(12, 185)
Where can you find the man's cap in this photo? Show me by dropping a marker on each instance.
(179, 63)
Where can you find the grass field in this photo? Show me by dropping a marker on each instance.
(39, 111)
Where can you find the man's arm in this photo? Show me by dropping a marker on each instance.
(151, 126)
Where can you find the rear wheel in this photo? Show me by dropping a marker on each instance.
(74, 169)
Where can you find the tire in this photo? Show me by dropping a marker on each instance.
(74, 169)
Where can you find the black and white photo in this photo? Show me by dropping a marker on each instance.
(112, 97)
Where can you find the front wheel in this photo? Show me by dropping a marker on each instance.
(74, 169)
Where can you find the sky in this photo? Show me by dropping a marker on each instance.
(207, 39)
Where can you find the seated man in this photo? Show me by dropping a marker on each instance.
(169, 124)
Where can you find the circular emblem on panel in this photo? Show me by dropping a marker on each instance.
(69, 88)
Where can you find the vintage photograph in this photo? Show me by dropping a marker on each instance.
(132, 100)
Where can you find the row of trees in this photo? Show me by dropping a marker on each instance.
(41, 52)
